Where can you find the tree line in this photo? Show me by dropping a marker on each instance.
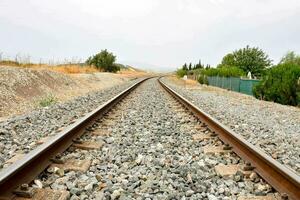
(278, 82)
(199, 65)
(253, 60)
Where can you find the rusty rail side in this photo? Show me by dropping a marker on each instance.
(284, 180)
(37, 160)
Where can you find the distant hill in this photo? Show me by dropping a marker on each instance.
(150, 67)
(129, 68)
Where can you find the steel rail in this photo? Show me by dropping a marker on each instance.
(282, 179)
(37, 160)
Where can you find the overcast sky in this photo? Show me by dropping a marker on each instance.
(151, 33)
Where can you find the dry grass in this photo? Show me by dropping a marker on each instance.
(186, 83)
(131, 74)
(67, 68)
(73, 69)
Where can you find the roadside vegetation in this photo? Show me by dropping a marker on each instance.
(253, 60)
(105, 61)
(47, 101)
(71, 68)
(237, 63)
(279, 83)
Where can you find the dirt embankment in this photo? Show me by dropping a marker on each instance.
(22, 90)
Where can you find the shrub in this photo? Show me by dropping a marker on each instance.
(47, 101)
(181, 72)
(202, 79)
(281, 84)
(104, 60)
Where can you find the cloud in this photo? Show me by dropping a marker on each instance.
(162, 33)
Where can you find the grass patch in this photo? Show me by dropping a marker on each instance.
(47, 100)
(73, 69)
(64, 68)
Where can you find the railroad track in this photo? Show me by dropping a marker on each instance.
(33, 164)
(281, 178)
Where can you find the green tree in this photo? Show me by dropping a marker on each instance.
(248, 59)
(198, 65)
(228, 60)
(184, 67)
(290, 57)
(190, 66)
(104, 60)
(252, 59)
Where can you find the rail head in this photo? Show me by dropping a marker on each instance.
(33, 163)
(277, 175)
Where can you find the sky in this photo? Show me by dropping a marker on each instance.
(149, 34)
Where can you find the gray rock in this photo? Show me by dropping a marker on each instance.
(75, 191)
(253, 177)
(38, 183)
(189, 193)
(238, 176)
(45, 121)
(212, 197)
(109, 140)
(116, 194)
(74, 197)
(152, 155)
(251, 119)
(221, 190)
(88, 187)
(83, 196)
(99, 196)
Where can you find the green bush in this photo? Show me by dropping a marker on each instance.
(224, 71)
(104, 60)
(181, 72)
(48, 100)
(281, 84)
(202, 79)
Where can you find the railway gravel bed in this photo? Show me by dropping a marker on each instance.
(273, 127)
(149, 153)
(19, 135)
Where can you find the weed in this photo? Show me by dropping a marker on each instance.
(47, 101)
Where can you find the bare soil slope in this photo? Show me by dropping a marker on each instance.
(21, 89)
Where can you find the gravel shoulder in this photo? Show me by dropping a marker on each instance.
(148, 153)
(22, 89)
(19, 134)
(273, 127)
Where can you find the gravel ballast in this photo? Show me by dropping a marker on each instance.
(273, 127)
(150, 154)
(22, 89)
(18, 135)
